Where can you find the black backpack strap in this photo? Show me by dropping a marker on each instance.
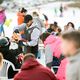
(34, 28)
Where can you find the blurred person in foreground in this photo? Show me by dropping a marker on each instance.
(71, 49)
(2, 20)
(33, 70)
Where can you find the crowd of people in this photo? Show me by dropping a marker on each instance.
(61, 49)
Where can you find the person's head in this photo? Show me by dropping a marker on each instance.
(71, 25)
(1, 61)
(4, 44)
(55, 24)
(35, 14)
(28, 19)
(28, 56)
(24, 11)
(70, 43)
(44, 36)
(65, 28)
(58, 31)
(16, 34)
(16, 31)
(53, 27)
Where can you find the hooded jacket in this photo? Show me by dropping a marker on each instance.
(32, 70)
(54, 43)
(2, 17)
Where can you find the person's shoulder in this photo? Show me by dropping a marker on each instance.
(45, 69)
(35, 28)
(17, 76)
(48, 72)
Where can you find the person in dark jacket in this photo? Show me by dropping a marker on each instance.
(32, 34)
(33, 70)
(4, 49)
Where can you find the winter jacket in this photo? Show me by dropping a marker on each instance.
(32, 70)
(2, 17)
(20, 18)
(61, 74)
(55, 43)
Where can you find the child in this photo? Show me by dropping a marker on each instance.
(71, 49)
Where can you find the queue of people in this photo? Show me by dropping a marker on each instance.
(62, 49)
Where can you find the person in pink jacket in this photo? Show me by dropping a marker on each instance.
(2, 20)
(55, 43)
(61, 74)
(52, 48)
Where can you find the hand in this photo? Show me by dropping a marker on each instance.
(24, 43)
(24, 40)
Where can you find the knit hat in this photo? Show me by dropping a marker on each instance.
(4, 42)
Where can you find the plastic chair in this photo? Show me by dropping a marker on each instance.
(4, 71)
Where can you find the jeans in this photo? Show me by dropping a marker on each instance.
(1, 29)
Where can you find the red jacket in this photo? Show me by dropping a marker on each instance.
(32, 70)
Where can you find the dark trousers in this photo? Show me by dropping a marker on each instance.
(33, 50)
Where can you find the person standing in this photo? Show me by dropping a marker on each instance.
(61, 10)
(2, 20)
(21, 14)
(71, 49)
(32, 34)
